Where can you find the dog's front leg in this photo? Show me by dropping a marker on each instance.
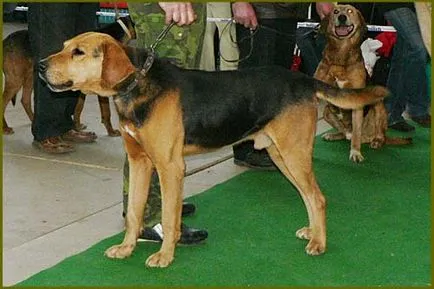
(356, 137)
(140, 176)
(171, 180)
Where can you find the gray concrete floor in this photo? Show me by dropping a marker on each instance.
(55, 206)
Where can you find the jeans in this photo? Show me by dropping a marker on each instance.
(311, 45)
(273, 43)
(407, 77)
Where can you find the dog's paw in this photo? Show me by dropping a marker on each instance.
(304, 233)
(119, 251)
(331, 136)
(315, 248)
(356, 156)
(159, 260)
(114, 133)
(377, 143)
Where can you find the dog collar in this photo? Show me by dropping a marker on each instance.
(124, 28)
(127, 86)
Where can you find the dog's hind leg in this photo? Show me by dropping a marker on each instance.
(140, 177)
(292, 153)
(77, 112)
(26, 99)
(10, 91)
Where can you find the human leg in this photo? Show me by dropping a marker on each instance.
(311, 46)
(50, 24)
(228, 48)
(207, 59)
(407, 78)
(184, 46)
(273, 44)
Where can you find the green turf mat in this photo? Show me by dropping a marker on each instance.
(378, 217)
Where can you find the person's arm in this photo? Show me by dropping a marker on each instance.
(181, 13)
(244, 14)
(324, 8)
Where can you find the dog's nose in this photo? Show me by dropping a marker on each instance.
(42, 66)
(342, 18)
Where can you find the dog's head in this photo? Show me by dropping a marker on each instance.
(91, 62)
(344, 22)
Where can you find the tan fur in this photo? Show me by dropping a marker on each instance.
(159, 143)
(342, 66)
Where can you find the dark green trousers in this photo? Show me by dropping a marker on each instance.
(183, 45)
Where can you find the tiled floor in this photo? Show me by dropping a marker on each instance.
(56, 206)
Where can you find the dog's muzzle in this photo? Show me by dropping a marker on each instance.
(343, 27)
(42, 71)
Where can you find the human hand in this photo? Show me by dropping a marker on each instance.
(181, 13)
(244, 14)
(324, 8)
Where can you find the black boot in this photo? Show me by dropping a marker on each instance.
(189, 236)
(246, 155)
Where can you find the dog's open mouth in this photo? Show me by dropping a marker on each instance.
(344, 30)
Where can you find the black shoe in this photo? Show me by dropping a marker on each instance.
(256, 159)
(402, 126)
(189, 236)
(423, 121)
(188, 209)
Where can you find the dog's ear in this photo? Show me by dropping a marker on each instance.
(116, 65)
(325, 23)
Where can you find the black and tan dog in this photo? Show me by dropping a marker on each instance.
(343, 66)
(167, 112)
(18, 71)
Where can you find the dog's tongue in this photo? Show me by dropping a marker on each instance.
(343, 30)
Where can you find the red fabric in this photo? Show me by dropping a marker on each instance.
(296, 62)
(121, 5)
(388, 39)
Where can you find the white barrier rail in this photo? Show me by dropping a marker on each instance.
(372, 28)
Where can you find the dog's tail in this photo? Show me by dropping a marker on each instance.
(350, 98)
(398, 140)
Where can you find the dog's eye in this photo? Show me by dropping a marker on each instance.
(350, 10)
(77, 52)
(336, 11)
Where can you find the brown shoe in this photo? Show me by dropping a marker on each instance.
(54, 145)
(79, 136)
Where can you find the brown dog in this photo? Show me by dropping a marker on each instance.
(343, 66)
(166, 112)
(18, 71)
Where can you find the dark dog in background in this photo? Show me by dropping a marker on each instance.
(18, 72)
(343, 66)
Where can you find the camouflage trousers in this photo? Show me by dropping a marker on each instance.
(183, 45)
